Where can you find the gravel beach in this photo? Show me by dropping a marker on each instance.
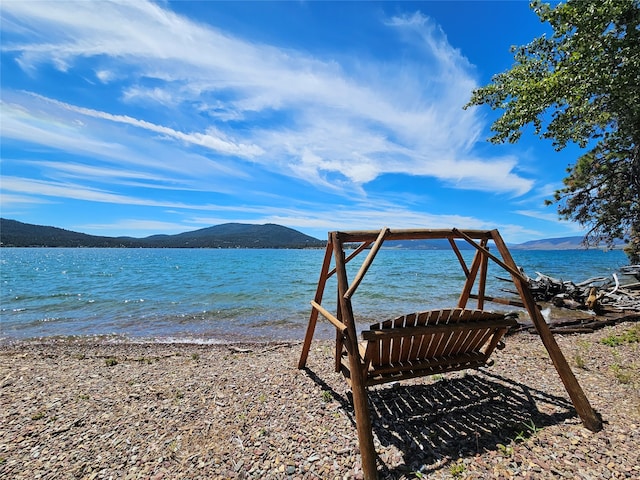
(86, 410)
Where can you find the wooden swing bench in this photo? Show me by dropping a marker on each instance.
(428, 342)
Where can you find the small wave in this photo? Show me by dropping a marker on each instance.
(49, 319)
(61, 295)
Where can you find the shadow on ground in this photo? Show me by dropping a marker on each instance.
(423, 427)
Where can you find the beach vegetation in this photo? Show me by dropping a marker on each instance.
(523, 432)
(195, 357)
(505, 450)
(529, 429)
(629, 336)
(173, 446)
(38, 415)
(579, 86)
(327, 396)
(579, 361)
(623, 374)
(582, 352)
(146, 360)
(111, 361)
(457, 470)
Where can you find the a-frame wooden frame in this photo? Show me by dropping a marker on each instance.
(344, 322)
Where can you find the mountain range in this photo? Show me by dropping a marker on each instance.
(561, 243)
(228, 235)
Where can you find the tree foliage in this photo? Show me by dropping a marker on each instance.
(581, 85)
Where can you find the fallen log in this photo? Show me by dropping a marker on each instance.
(582, 325)
(563, 302)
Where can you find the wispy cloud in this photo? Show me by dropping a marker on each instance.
(101, 153)
(11, 201)
(540, 215)
(64, 190)
(22, 190)
(78, 191)
(211, 139)
(312, 118)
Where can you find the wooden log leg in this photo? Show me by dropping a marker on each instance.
(590, 419)
(358, 385)
(363, 419)
(311, 326)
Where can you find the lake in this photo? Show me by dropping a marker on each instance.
(215, 295)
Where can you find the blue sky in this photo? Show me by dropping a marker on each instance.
(136, 118)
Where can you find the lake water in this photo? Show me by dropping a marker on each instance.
(211, 295)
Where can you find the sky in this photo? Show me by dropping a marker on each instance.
(135, 118)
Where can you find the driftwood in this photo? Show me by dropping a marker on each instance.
(595, 295)
(631, 270)
(583, 325)
(604, 301)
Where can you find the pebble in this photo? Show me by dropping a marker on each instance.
(254, 415)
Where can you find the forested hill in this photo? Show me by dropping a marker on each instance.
(230, 235)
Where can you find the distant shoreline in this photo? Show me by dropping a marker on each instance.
(227, 236)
